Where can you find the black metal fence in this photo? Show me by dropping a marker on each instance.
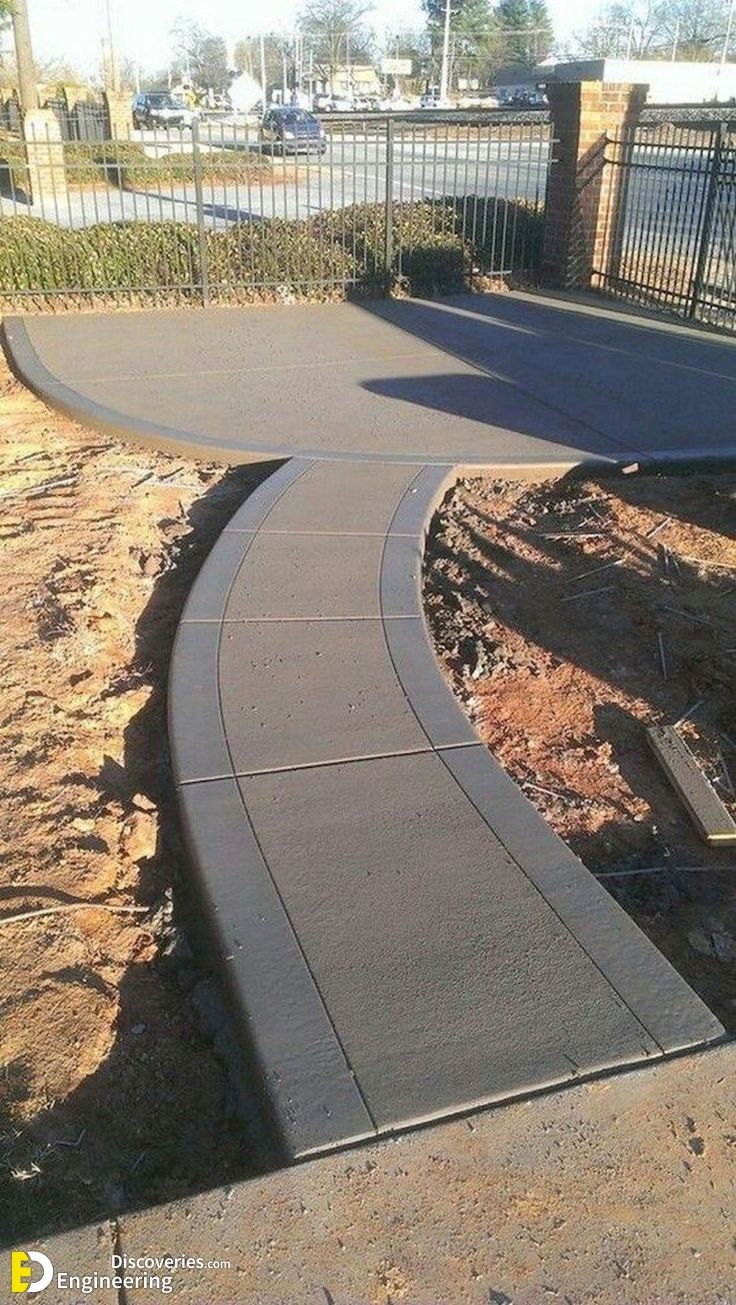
(670, 237)
(423, 203)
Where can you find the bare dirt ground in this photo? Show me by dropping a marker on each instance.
(112, 1092)
(615, 1192)
(570, 615)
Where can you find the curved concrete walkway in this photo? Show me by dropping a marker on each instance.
(404, 936)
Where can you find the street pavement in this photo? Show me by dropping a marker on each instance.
(352, 171)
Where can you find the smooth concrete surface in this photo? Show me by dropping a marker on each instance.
(300, 693)
(403, 936)
(487, 378)
(615, 1192)
(447, 977)
(459, 952)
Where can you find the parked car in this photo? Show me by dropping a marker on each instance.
(336, 104)
(432, 100)
(289, 130)
(160, 109)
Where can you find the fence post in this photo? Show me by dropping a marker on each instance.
(117, 114)
(199, 202)
(706, 225)
(581, 193)
(45, 156)
(388, 253)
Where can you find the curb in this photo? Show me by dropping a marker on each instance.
(310, 1097)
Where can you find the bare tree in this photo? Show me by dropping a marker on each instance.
(652, 29)
(201, 55)
(697, 26)
(335, 34)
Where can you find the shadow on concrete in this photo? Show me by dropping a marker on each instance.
(168, 1113)
(639, 387)
(494, 402)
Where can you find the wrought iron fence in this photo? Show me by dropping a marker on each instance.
(224, 212)
(670, 228)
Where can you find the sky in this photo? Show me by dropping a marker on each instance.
(73, 29)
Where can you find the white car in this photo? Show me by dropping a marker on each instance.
(338, 104)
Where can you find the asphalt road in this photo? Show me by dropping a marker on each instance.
(353, 170)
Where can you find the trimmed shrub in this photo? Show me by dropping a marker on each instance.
(438, 247)
(439, 244)
(40, 257)
(126, 165)
(31, 255)
(287, 257)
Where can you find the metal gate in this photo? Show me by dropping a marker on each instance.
(670, 229)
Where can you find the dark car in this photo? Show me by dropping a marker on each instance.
(288, 130)
(160, 109)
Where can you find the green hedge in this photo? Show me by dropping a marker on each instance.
(433, 252)
(438, 244)
(111, 257)
(125, 165)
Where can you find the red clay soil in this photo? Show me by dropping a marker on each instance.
(570, 615)
(113, 1092)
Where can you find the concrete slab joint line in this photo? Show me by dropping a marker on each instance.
(403, 936)
(369, 847)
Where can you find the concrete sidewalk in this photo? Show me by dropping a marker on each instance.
(484, 378)
(404, 937)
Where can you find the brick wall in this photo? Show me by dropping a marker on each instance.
(585, 184)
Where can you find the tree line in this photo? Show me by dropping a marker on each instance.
(656, 29)
(486, 36)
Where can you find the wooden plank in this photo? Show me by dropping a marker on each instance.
(711, 817)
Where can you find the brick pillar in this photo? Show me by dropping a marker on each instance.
(119, 117)
(45, 154)
(590, 120)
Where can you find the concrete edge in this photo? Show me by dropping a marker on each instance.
(308, 1096)
(26, 364)
(661, 1001)
(29, 368)
(307, 1092)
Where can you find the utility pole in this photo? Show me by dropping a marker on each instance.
(676, 41)
(114, 70)
(24, 57)
(445, 73)
(729, 29)
(263, 72)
